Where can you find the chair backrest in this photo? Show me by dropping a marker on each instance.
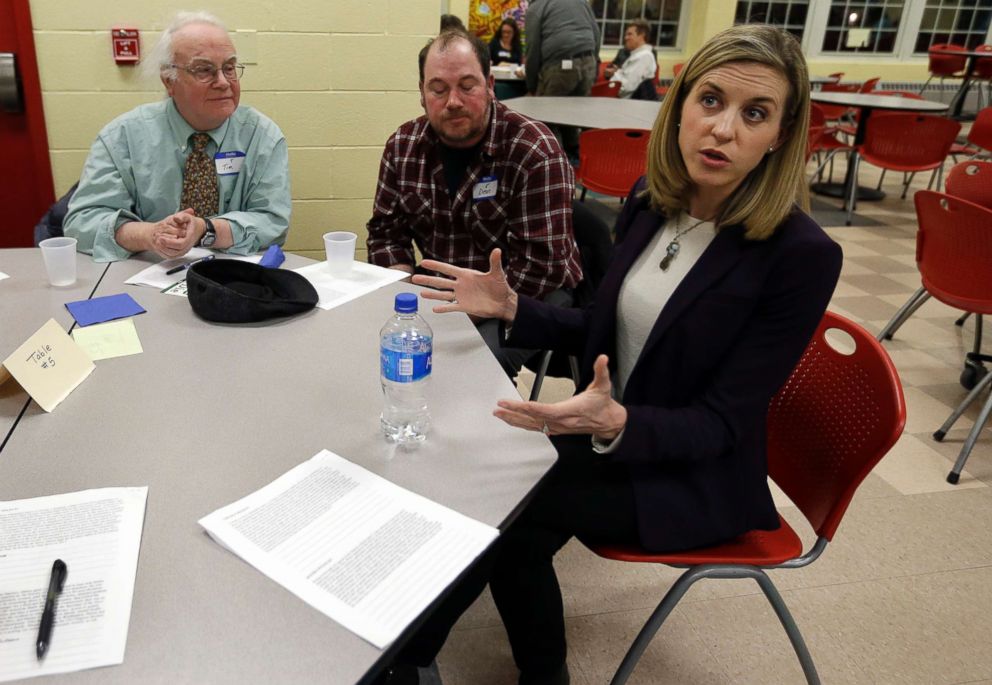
(836, 76)
(971, 181)
(815, 133)
(954, 250)
(983, 65)
(907, 139)
(607, 89)
(832, 421)
(677, 68)
(601, 71)
(868, 86)
(612, 159)
(980, 133)
(946, 65)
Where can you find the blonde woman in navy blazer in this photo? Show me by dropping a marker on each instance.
(717, 284)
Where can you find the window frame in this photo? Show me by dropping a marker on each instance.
(680, 33)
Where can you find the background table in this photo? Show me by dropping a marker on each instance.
(866, 103)
(957, 102)
(588, 112)
(209, 413)
(27, 301)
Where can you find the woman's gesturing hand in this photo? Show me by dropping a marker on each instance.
(591, 411)
(485, 295)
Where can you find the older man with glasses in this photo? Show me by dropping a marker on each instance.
(195, 169)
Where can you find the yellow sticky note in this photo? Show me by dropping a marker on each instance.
(49, 365)
(106, 340)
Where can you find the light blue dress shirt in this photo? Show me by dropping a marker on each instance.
(134, 172)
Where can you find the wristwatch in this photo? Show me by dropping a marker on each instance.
(210, 236)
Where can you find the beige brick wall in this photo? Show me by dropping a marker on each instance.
(338, 76)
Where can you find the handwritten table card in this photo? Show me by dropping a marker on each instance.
(49, 365)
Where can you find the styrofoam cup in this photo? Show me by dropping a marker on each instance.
(60, 260)
(340, 249)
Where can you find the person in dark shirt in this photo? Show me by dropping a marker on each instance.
(505, 45)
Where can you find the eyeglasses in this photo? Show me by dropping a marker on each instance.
(207, 73)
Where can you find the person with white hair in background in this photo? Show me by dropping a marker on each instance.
(194, 169)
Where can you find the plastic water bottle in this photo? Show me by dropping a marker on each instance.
(406, 344)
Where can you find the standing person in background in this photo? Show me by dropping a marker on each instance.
(451, 21)
(562, 50)
(636, 76)
(505, 46)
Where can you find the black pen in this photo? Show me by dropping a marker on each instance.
(59, 572)
(183, 267)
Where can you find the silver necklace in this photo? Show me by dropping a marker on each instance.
(672, 251)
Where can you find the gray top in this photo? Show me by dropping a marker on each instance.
(209, 413)
(27, 301)
(557, 30)
(587, 112)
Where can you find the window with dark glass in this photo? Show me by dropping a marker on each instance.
(958, 22)
(612, 16)
(789, 14)
(869, 26)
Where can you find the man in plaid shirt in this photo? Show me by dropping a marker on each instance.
(471, 175)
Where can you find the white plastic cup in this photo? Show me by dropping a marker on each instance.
(340, 249)
(60, 260)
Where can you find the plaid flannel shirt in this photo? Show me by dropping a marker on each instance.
(530, 218)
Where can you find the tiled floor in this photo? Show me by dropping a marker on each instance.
(902, 595)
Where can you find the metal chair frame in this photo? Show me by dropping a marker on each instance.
(820, 482)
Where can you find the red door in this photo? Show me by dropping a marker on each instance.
(26, 189)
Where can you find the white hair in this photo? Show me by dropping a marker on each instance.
(161, 57)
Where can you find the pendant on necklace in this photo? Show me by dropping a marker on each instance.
(670, 253)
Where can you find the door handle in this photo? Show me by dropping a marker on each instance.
(11, 98)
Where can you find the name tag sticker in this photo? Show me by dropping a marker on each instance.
(566, 64)
(485, 189)
(228, 163)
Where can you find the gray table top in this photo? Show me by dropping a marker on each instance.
(588, 112)
(27, 301)
(878, 101)
(209, 413)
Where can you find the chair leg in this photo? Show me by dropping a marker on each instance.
(977, 347)
(853, 195)
(791, 629)
(962, 319)
(678, 590)
(880, 179)
(657, 618)
(542, 371)
(955, 475)
(915, 301)
(582, 197)
(926, 84)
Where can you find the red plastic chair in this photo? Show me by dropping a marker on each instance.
(676, 70)
(827, 142)
(836, 76)
(899, 94)
(979, 137)
(908, 143)
(971, 181)
(945, 66)
(850, 124)
(954, 254)
(832, 421)
(606, 89)
(837, 112)
(601, 72)
(611, 160)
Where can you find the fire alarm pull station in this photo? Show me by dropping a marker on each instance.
(126, 46)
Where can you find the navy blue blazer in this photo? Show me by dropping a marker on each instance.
(697, 397)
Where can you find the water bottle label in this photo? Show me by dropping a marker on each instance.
(404, 367)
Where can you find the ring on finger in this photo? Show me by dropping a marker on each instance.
(545, 429)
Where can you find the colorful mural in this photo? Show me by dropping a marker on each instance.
(484, 16)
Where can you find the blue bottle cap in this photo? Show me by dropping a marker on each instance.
(405, 303)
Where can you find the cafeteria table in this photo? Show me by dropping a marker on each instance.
(27, 301)
(957, 102)
(867, 103)
(209, 413)
(587, 112)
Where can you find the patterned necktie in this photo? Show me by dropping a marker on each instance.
(200, 180)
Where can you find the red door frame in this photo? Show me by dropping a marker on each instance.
(27, 63)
